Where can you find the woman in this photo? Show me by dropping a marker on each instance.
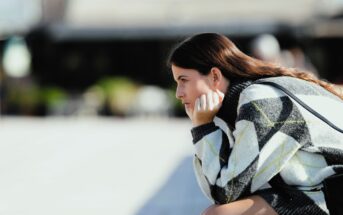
(256, 150)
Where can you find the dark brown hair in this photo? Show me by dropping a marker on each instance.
(204, 51)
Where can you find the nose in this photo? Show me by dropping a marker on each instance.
(179, 93)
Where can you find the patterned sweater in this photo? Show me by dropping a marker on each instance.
(262, 142)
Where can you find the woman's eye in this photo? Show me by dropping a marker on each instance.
(183, 80)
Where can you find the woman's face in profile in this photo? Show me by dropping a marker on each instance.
(190, 85)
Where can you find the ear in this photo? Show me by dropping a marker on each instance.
(216, 76)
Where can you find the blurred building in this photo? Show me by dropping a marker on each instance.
(75, 43)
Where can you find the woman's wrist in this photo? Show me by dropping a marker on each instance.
(201, 122)
(198, 132)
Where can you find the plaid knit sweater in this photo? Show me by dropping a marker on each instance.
(262, 142)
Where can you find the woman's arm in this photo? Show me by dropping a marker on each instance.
(268, 132)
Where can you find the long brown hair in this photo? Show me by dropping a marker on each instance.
(207, 50)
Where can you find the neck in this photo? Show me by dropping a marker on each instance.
(224, 85)
(228, 110)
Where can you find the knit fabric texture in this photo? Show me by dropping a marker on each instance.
(262, 142)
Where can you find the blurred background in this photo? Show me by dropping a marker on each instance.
(89, 123)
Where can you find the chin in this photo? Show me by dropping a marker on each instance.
(187, 107)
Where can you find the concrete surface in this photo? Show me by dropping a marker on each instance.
(97, 166)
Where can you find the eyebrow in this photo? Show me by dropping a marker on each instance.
(181, 76)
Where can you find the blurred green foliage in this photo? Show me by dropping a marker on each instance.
(120, 93)
(52, 96)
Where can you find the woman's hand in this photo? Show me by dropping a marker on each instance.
(206, 107)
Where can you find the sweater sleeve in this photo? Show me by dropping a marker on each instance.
(268, 132)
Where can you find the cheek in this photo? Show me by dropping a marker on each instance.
(202, 88)
(195, 91)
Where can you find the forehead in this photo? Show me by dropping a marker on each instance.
(179, 71)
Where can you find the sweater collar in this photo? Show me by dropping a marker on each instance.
(228, 110)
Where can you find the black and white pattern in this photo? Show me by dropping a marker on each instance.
(275, 148)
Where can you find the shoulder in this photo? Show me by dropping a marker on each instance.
(259, 92)
(296, 86)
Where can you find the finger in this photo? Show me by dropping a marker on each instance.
(221, 95)
(215, 99)
(197, 105)
(209, 100)
(203, 102)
